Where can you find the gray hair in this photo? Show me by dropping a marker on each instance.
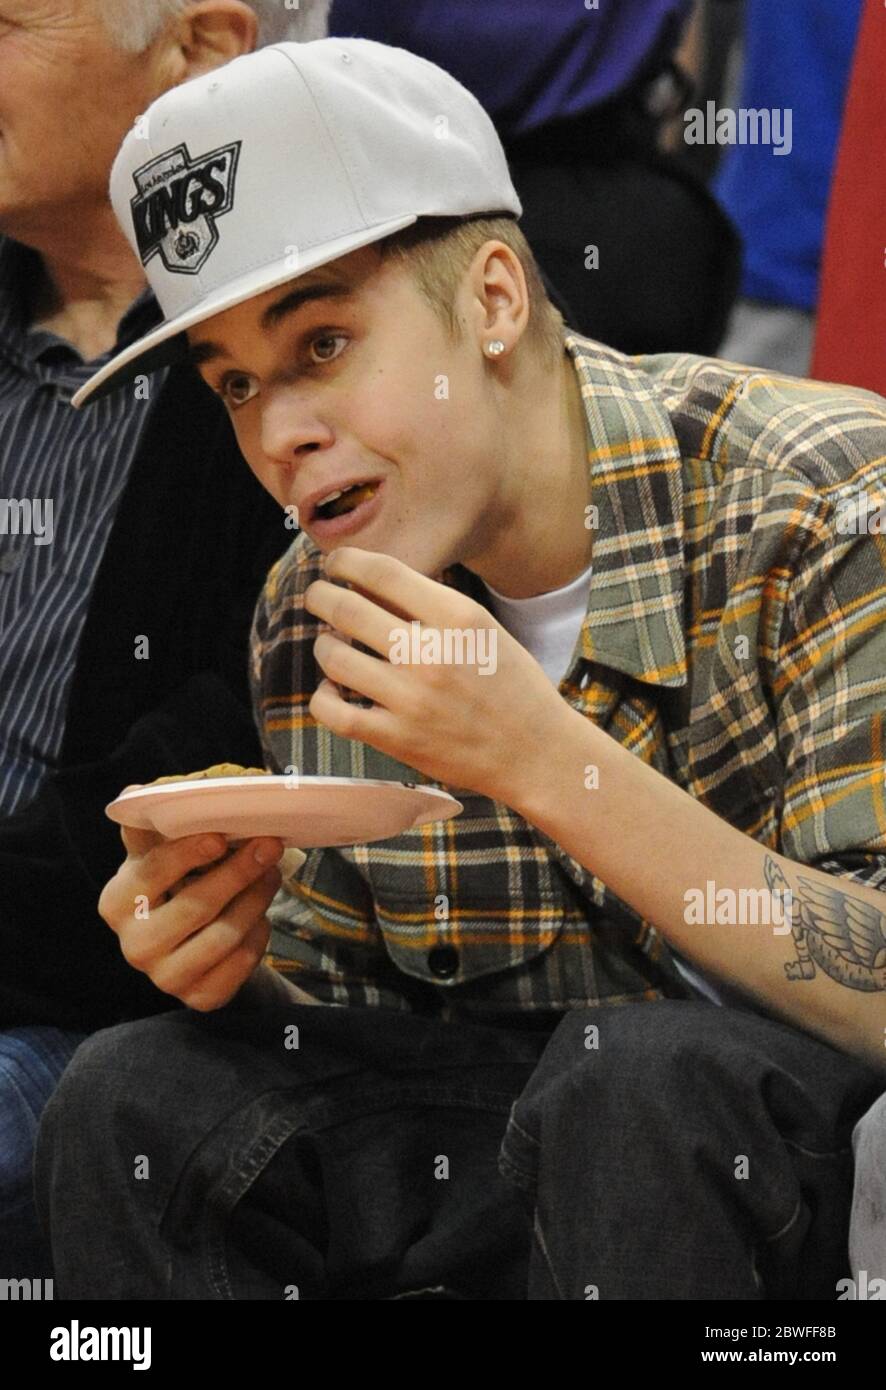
(134, 24)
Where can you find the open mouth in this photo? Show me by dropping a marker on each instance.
(347, 510)
(341, 501)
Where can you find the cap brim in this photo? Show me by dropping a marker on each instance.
(167, 344)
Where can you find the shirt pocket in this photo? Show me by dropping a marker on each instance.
(473, 896)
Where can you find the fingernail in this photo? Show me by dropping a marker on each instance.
(267, 854)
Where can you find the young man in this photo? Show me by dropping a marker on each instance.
(671, 768)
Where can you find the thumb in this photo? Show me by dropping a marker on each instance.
(138, 842)
(135, 841)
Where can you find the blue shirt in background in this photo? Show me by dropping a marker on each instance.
(528, 62)
(798, 54)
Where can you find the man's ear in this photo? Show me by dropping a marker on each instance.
(204, 36)
(499, 295)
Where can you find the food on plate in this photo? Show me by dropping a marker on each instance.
(217, 770)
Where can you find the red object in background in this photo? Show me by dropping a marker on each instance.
(850, 340)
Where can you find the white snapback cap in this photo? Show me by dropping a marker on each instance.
(283, 160)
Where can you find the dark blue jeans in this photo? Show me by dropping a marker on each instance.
(194, 1156)
(31, 1062)
(695, 1152)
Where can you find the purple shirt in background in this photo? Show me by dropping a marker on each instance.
(528, 62)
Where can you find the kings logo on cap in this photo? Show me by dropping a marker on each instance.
(177, 202)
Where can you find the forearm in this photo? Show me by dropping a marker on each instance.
(658, 848)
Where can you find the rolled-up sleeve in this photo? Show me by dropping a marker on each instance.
(831, 700)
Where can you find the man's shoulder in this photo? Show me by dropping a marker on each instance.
(739, 419)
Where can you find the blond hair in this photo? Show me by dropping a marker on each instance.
(438, 250)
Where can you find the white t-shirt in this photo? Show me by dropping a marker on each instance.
(549, 626)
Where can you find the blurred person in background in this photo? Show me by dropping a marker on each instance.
(849, 333)
(125, 555)
(796, 58)
(634, 248)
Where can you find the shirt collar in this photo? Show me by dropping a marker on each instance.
(635, 620)
(18, 266)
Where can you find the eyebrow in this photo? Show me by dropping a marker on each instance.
(276, 313)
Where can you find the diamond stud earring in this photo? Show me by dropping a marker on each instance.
(495, 348)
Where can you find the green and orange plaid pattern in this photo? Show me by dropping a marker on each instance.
(735, 638)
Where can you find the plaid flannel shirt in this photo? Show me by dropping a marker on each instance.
(734, 639)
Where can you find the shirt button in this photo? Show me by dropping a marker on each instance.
(443, 961)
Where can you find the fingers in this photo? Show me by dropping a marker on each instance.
(348, 614)
(367, 676)
(222, 983)
(218, 910)
(138, 842)
(198, 901)
(384, 578)
(213, 963)
(205, 899)
(154, 872)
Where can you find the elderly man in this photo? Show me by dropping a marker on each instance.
(133, 541)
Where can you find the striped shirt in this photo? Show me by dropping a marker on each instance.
(734, 639)
(62, 474)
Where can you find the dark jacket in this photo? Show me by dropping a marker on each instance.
(193, 539)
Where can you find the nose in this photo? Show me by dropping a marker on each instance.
(290, 427)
